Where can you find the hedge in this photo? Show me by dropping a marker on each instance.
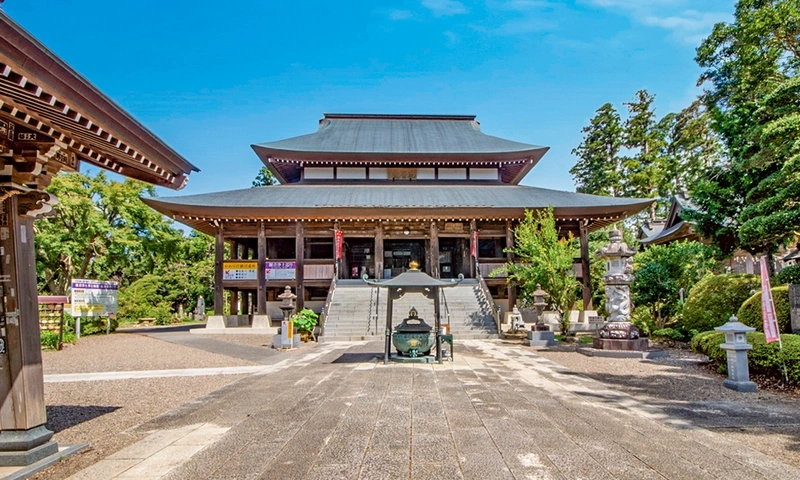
(750, 311)
(715, 298)
(764, 359)
(790, 275)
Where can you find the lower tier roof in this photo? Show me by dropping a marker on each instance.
(390, 201)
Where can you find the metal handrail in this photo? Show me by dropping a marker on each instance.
(489, 300)
(446, 308)
(327, 308)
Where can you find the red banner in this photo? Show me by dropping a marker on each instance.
(771, 331)
(474, 245)
(338, 243)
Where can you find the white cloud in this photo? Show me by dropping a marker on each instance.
(452, 37)
(400, 15)
(445, 8)
(688, 26)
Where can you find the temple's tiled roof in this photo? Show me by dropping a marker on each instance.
(399, 134)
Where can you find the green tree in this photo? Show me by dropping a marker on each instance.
(644, 171)
(544, 257)
(264, 178)
(746, 62)
(599, 166)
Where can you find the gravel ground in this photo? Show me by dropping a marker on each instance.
(684, 380)
(127, 352)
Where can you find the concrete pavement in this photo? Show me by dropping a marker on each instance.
(498, 411)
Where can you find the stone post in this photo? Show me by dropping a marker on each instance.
(794, 306)
(619, 333)
(737, 347)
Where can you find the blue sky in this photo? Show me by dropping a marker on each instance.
(212, 78)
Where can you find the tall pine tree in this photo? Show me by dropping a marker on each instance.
(599, 166)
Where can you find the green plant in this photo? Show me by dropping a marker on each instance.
(305, 320)
(49, 338)
(750, 311)
(670, 333)
(764, 359)
(715, 298)
(642, 318)
(789, 275)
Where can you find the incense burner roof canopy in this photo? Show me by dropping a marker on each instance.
(399, 139)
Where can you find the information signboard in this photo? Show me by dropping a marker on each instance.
(240, 270)
(94, 298)
(281, 270)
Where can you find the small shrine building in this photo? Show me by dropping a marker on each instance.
(368, 194)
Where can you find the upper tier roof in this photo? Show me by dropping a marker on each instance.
(399, 139)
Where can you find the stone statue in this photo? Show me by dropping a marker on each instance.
(618, 277)
(200, 309)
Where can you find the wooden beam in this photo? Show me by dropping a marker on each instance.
(379, 251)
(512, 291)
(299, 248)
(261, 293)
(434, 251)
(585, 267)
(473, 227)
(219, 255)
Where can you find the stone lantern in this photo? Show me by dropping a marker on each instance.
(540, 334)
(619, 333)
(737, 347)
(287, 327)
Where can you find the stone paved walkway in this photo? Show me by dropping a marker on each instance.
(498, 411)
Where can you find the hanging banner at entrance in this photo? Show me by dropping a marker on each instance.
(474, 245)
(281, 270)
(338, 243)
(93, 298)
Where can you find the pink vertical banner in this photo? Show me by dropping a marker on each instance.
(771, 331)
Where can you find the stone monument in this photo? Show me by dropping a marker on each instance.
(540, 334)
(794, 307)
(200, 310)
(619, 333)
(736, 345)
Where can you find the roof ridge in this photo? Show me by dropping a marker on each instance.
(395, 116)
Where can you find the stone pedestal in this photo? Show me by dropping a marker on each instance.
(541, 338)
(637, 345)
(24, 447)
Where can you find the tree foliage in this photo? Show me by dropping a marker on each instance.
(102, 230)
(545, 258)
(264, 178)
(599, 166)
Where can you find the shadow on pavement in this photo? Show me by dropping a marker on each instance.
(357, 358)
(164, 329)
(61, 417)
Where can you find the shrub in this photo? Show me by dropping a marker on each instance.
(49, 338)
(670, 333)
(305, 320)
(642, 318)
(764, 359)
(715, 298)
(789, 275)
(750, 311)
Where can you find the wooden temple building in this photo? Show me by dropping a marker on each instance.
(368, 194)
(51, 120)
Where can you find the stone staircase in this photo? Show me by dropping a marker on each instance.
(358, 311)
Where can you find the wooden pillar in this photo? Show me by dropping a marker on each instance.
(219, 255)
(585, 266)
(246, 302)
(234, 305)
(473, 247)
(512, 291)
(379, 251)
(337, 262)
(434, 252)
(299, 248)
(261, 275)
(21, 380)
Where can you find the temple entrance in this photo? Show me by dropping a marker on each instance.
(453, 257)
(359, 255)
(397, 254)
